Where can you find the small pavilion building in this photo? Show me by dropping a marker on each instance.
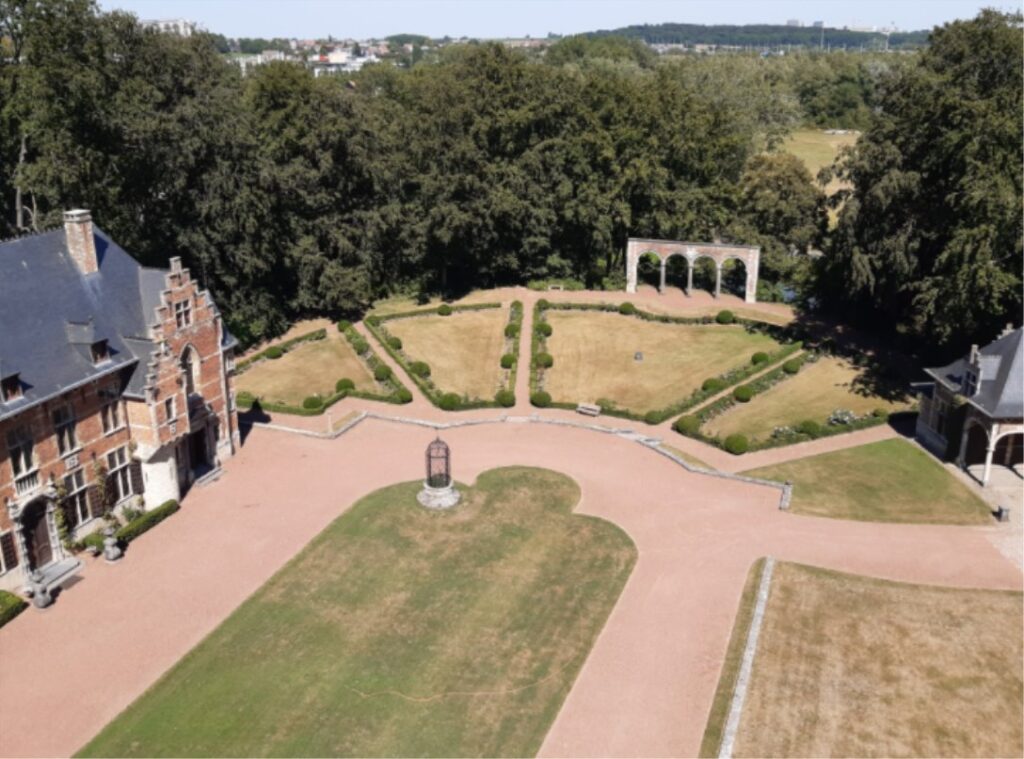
(973, 411)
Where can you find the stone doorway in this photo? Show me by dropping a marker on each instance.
(35, 525)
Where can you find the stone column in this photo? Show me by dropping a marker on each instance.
(718, 279)
(689, 277)
(750, 296)
(631, 261)
(661, 286)
(989, 450)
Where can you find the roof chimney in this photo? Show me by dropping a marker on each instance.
(1007, 330)
(81, 243)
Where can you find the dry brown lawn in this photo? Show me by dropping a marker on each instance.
(399, 303)
(593, 354)
(301, 327)
(307, 369)
(819, 389)
(463, 350)
(817, 150)
(853, 666)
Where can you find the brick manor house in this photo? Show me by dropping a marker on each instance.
(115, 388)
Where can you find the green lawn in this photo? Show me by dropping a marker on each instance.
(400, 632)
(888, 481)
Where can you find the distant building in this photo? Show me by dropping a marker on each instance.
(794, 22)
(818, 24)
(180, 26)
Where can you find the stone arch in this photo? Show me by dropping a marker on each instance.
(659, 265)
(717, 252)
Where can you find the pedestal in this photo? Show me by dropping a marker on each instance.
(438, 498)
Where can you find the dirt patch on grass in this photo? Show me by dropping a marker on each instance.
(463, 349)
(594, 358)
(308, 369)
(852, 666)
(820, 388)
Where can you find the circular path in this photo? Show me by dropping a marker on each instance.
(645, 689)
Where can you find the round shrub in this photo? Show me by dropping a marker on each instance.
(274, 351)
(344, 385)
(736, 444)
(505, 398)
(313, 402)
(809, 427)
(627, 309)
(543, 329)
(382, 372)
(343, 325)
(545, 360)
(403, 395)
(420, 369)
(511, 330)
(881, 413)
(543, 304)
(792, 366)
(653, 417)
(245, 398)
(725, 316)
(759, 358)
(713, 385)
(541, 398)
(687, 425)
(360, 346)
(395, 343)
(743, 393)
(507, 361)
(449, 401)
(444, 310)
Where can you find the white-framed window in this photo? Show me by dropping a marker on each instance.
(76, 499)
(8, 552)
(64, 429)
(183, 313)
(118, 475)
(110, 414)
(970, 383)
(19, 447)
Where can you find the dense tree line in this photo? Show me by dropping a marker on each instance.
(289, 195)
(765, 36)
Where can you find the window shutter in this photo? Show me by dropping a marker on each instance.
(135, 473)
(10, 553)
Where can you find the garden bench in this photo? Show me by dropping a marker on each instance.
(588, 409)
(43, 582)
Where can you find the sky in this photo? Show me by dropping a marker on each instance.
(363, 19)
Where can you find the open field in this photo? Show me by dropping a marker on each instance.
(889, 481)
(853, 666)
(463, 349)
(818, 150)
(819, 388)
(308, 369)
(399, 631)
(594, 351)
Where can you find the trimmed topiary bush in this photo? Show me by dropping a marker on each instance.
(312, 402)
(713, 385)
(545, 360)
(544, 329)
(881, 413)
(505, 398)
(343, 325)
(403, 395)
(627, 309)
(736, 444)
(686, 425)
(809, 427)
(743, 393)
(360, 346)
(792, 366)
(344, 385)
(444, 310)
(449, 401)
(147, 521)
(725, 316)
(507, 361)
(511, 330)
(382, 372)
(420, 368)
(245, 398)
(653, 417)
(10, 607)
(543, 304)
(395, 343)
(759, 358)
(541, 399)
(274, 351)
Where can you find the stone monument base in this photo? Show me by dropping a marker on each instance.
(438, 498)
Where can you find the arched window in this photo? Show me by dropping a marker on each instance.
(190, 366)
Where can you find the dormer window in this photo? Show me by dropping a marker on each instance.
(183, 313)
(970, 386)
(10, 388)
(100, 351)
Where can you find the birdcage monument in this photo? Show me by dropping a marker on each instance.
(438, 489)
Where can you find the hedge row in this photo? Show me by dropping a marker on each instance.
(569, 285)
(506, 397)
(10, 606)
(713, 386)
(419, 371)
(147, 521)
(276, 351)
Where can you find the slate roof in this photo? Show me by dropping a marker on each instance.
(1001, 392)
(50, 314)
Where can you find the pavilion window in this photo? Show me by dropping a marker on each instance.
(76, 500)
(19, 446)
(183, 313)
(118, 474)
(64, 428)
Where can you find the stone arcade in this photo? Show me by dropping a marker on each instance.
(692, 252)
